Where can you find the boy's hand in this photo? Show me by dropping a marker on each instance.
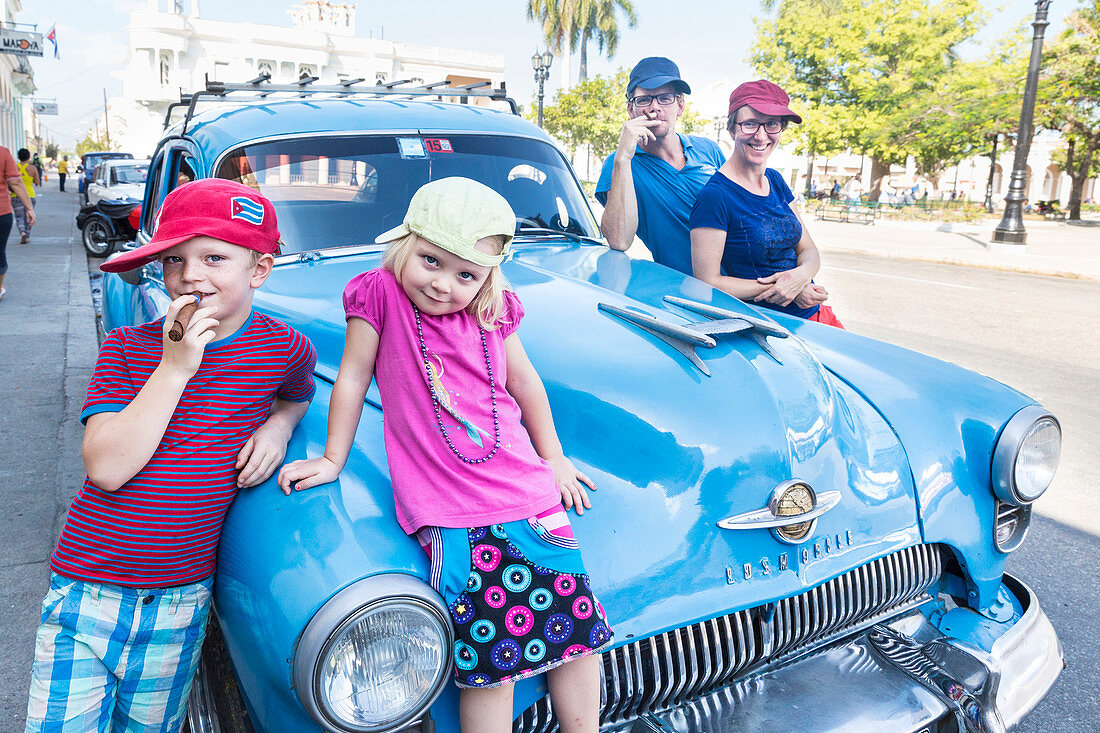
(307, 474)
(185, 355)
(570, 480)
(263, 452)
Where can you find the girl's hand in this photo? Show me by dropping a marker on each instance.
(570, 480)
(307, 474)
(185, 354)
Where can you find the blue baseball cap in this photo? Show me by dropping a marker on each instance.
(656, 71)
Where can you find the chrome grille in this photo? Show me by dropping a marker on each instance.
(663, 671)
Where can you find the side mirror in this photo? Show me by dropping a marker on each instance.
(100, 182)
(130, 277)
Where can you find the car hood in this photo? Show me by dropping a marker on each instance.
(672, 450)
(125, 191)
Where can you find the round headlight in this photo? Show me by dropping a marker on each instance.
(375, 656)
(1037, 459)
(383, 663)
(1026, 456)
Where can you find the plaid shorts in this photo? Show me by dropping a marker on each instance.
(109, 658)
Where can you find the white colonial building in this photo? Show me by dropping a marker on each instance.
(172, 48)
(16, 82)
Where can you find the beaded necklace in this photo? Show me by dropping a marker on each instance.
(435, 397)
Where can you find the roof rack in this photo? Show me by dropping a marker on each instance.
(261, 87)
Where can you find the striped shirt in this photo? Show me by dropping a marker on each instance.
(161, 528)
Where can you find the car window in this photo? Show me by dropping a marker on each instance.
(129, 173)
(342, 191)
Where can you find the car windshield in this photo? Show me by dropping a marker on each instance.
(342, 191)
(131, 173)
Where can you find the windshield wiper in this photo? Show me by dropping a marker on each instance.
(520, 231)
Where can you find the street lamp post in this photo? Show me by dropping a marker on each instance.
(540, 62)
(1011, 228)
(988, 203)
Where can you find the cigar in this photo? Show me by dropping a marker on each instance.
(651, 114)
(184, 317)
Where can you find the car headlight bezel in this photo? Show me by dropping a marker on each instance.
(1010, 444)
(342, 611)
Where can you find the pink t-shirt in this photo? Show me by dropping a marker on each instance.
(431, 485)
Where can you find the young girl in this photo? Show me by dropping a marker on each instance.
(478, 473)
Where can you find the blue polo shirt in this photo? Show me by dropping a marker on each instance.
(665, 197)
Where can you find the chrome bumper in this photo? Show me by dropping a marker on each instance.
(901, 676)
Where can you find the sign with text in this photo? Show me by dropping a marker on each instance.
(21, 43)
(44, 108)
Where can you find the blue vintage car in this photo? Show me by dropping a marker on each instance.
(797, 528)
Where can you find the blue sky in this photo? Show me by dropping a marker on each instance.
(709, 41)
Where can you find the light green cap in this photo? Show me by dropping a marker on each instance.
(454, 213)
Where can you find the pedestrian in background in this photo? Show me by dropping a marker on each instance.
(62, 171)
(31, 177)
(10, 172)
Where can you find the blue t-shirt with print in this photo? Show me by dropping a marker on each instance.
(761, 231)
(665, 197)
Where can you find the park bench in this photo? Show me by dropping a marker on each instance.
(863, 212)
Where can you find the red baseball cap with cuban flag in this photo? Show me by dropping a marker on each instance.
(215, 207)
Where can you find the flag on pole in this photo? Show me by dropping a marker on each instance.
(52, 38)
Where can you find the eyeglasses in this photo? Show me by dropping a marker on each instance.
(644, 100)
(749, 127)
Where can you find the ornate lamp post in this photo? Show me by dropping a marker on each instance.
(1011, 227)
(988, 203)
(541, 64)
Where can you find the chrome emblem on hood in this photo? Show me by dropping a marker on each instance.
(791, 513)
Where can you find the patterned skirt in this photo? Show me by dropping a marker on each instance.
(519, 598)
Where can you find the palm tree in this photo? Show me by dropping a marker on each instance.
(573, 23)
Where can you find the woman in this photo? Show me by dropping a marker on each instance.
(746, 237)
(10, 173)
(31, 178)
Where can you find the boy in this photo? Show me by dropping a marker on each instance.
(180, 413)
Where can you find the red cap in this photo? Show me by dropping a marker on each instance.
(214, 207)
(765, 97)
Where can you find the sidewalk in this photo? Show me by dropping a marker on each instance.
(47, 351)
(1052, 248)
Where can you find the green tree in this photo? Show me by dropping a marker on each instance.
(571, 24)
(959, 117)
(1070, 96)
(591, 113)
(52, 150)
(872, 63)
(91, 144)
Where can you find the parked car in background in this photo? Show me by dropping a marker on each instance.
(117, 179)
(796, 528)
(88, 163)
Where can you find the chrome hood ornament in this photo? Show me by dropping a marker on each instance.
(687, 337)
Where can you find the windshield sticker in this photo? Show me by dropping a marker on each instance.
(411, 147)
(438, 145)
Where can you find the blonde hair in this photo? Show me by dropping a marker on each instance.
(487, 306)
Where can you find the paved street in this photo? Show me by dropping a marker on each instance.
(1035, 333)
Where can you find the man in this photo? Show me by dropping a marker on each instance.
(62, 171)
(649, 184)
